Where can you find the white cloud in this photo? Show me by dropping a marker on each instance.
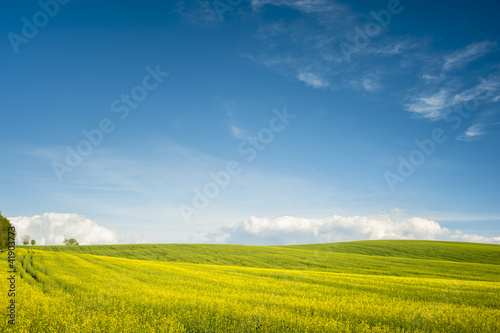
(53, 228)
(396, 46)
(484, 121)
(312, 80)
(239, 133)
(429, 77)
(197, 12)
(460, 236)
(306, 6)
(295, 230)
(310, 43)
(370, 84)
(431, 106)
(470, 53)
(486, 89)
(437, 105)
(307, 45)
(472, 132)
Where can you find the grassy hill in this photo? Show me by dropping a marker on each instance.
(372, 286)
(387, 257)
(416, 249)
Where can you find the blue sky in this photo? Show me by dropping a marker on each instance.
(320, 120)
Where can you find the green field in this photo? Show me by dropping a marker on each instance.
(368, 286)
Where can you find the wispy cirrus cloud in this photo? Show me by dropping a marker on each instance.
(197, 12)
(484, 121)
(431, 106)
(313, 80)
(239, 133)
(302, 42)
(436, 105)
(472, 133)
(443, 89)
(462, 57)
(475, 130)
(306, 6)
(306, 46)
(370, 84)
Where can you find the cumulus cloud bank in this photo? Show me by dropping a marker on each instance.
(289, 230)
(53, 228)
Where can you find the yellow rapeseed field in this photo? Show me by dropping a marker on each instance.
(62, 292)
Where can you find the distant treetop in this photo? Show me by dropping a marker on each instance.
(70, 241)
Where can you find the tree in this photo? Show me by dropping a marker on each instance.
(70, 241)
(5, 227)
(33, 242)
(25, 239)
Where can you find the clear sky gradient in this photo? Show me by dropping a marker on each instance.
(181, 121)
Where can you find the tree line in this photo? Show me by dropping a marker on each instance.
(4, 231)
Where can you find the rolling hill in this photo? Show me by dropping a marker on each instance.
(369, 286)
(385, 257)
